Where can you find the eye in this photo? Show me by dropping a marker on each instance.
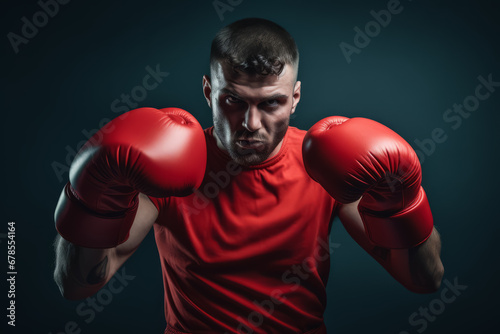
(272, 103)
(232, 99)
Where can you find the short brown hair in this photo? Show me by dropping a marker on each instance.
(254, 46)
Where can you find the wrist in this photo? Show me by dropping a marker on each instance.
(404, 229)
(82, 226)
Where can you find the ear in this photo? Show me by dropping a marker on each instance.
(207, 89)
(296, 96)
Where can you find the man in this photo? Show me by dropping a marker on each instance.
(247, 252)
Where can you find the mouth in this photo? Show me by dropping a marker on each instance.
(249, 144)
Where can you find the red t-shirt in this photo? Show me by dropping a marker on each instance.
(248, 251)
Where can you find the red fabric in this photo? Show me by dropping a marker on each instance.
(158, 152)
(359, 157)
(248, 252)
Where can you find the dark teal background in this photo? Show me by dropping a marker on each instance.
(428, 58)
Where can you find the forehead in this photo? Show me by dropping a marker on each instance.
(224, 77)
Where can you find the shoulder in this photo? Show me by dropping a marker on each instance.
(295, 134)
(295, 137)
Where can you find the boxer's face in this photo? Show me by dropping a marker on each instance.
(251, 113)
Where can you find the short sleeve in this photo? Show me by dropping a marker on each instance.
(159, 202)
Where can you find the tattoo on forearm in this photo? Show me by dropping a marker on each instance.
(98, 273)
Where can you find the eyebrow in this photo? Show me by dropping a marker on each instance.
(271, 97)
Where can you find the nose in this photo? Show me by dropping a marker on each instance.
(252, 120)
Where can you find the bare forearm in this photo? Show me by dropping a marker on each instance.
(80, 272)
(419, 268)
(426, 268)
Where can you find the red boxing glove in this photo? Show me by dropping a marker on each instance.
(358, 157)
(157, 152)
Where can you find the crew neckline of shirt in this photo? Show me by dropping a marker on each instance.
(266, 163)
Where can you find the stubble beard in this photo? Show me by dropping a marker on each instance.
(248, 156)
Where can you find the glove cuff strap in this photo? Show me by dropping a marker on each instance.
(405, 229)
(83, 227)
